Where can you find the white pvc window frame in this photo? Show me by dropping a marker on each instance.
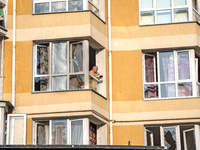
(8, 142)
(85, 4)
(85, 72)
(69, 121)
(176, 81)
(172, 8)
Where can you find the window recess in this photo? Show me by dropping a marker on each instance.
(169, 74)
(51, 6)
(61, 66)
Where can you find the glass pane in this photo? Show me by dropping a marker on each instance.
(168, 90)
(41, 8)
(41, 138)
(59, 132)
(74, 5)
(41, 83)
(76, 58)
(93, 9)
(77, 132)
(147, 17)
(170, 138)
(180, 2)
(59, 58)
(184, 89)
(180, 15)
(58, 6)
(146, 4)
(151, 91)
(163, 3)
(164, 16)
(183, 65)
(149, 68)
(59, 83)
(190, 140)
(95, 2)
(16, 135)
(76, 82)
(166, 66)
(93, 134)
(42, 60)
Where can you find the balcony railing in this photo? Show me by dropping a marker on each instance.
(196, 15)
(94, 83)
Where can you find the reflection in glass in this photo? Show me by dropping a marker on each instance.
(181, 15)
(42, 60)
(76, 58)
(41, 8)
(149, 68)
(183, 65)
(59, 132)
(41, 83)
(151, 91)
(147, 17)
(168, 90)
(58, 6)
(76, 82)
(93, 84)
(93, 134)
(41, 138)
(59, 83)
(146, 4)
(163, 3)
(180, 2)
(74, 5)
(59, 58)
(164, 16)
(184, 89)
(166, 66)
(77, 132)
(170, 138)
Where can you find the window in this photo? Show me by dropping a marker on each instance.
(169, 74)
(174, 137)
(16, 129)
(65, 132)
(60, 66)
(50, 6)
(163, 11)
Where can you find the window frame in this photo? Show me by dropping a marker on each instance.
(172, 8)
(85, 72)
(8, 127)
(69, 121)
(176, 81)
(85, 5)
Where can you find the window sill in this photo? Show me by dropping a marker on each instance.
(43, 92)
(69, 12)
(172, 98)
(169, 23)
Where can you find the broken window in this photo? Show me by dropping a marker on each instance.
(169, 74)
(176, 137)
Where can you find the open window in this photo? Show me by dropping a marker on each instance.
(65, 65)
(16, 129)
(189, 139)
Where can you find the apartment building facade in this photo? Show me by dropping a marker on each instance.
(151, 93)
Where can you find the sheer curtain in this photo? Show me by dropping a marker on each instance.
(77, 132)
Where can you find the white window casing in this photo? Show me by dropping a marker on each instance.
(16, 127)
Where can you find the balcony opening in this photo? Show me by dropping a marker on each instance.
(65, 65)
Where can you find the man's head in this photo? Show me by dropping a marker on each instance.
(95, 69)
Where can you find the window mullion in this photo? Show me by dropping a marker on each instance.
(155, 11)
(68, 49)
(172, 8)
(50, 6)
(176, 72)
(192, 70)
(178, 138)
(50, 64)
(158, 74)
(50, 132)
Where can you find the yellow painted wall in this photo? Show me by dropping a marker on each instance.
(127, 75)
(133, 133)
(28, 131)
